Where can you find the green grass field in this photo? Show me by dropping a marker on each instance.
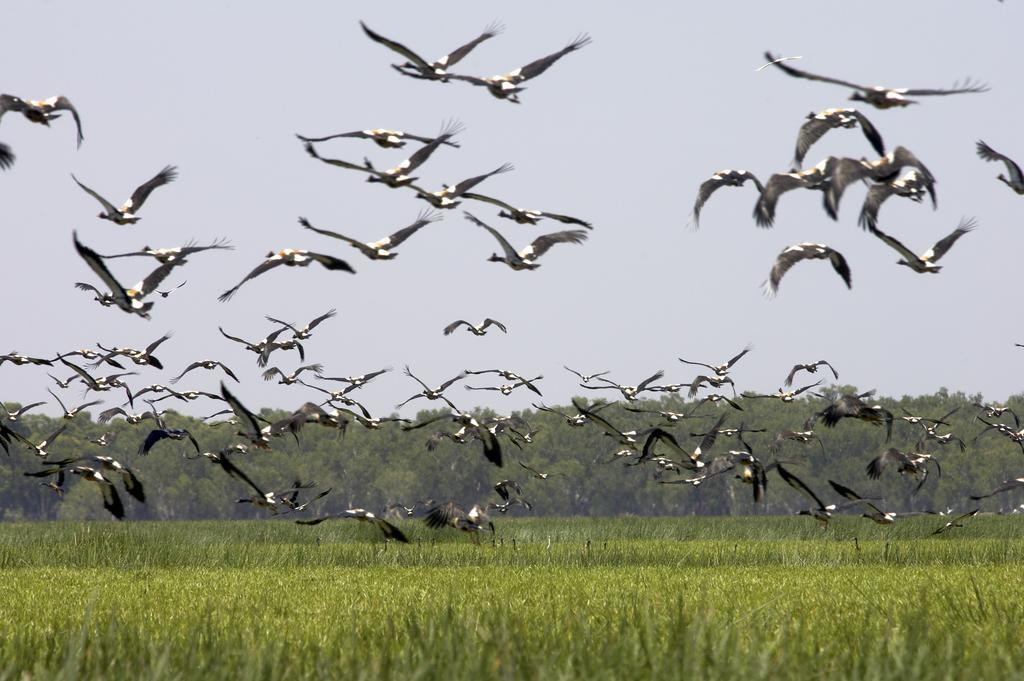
(625, 598)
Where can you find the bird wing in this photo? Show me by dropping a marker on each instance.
(326, 232)
(420, 156)
(895, 244)
(330, 262)
(510, 252)
(939, 249)
(878, 464)
(64, 104)
(325, 316)
(567, 219)
(244, 415)
(728, 365)
(107, 205)
(139, 196)
(423, 220)
(447, 384)
(311, 150)
(870, 132)
(842, 268)
(539, 66)
(967, 87)
(454, 325)
(650, 379)
(154, 436)
(234, 338)
(876, 195)
(489, 199)
(493, 322)
(845, 172)
(460, 188)
(6, 155)
(789, 257)
(1005, 487)
(154, 279)
(410, 375)
(707, 188)
(95, 262)
(260, 269)
(777, 184)
(397, 47)
(155, 344)
(810, 132)
(989, 154)
(798, 484)
(11, 103)
(458, 54)
(799, 73)
(234, 471)
(543, 243)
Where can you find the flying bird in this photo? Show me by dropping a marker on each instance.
(431, 393)
(586, 378)
(398, 176)
(720, 369)
(206, 364)
(878, 96)
(819, 123)
(448, 196)
(848, 170)
(380, 250)
(914, 465)
(382, 137)
(913, 186)
(524, 216)
(166, 255)
(526, 258)
(957, 521)
(475, 329)
(128, 300)
(416, 66)
(306, 331)
(41, 111)
(453, 515)
(630, 392)
(817, 177)
(508, 86)
(268, 345)
(111, 499)
(1016, 179)
(723, 178)
(15, 416)
(126, 214)
(292, 257)
(387, 529)
(810, 368)
(849, 405)
(70, 413)
(1006, 486)
(805, 251)
(925, 263)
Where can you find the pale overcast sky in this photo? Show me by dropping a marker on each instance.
(620, 133)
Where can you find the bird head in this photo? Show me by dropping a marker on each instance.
(495, 258)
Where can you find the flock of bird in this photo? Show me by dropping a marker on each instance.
(672, 458)
(832, 176)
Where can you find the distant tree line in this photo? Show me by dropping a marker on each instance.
(372, 468)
